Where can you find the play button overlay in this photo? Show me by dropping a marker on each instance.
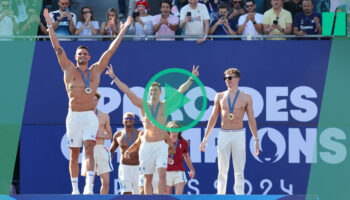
(174, 101)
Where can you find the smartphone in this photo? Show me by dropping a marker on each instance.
(67, 9)
(275, 22)
(189, 14)
(220, 16)
(135, 15)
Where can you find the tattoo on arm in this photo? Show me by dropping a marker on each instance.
(59, 51)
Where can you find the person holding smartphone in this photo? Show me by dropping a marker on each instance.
(194, 20)
(111, 26)
(63, 20)
(277, 21)
(165, 24)
(250, 24)
(222, 25)
(141, 22)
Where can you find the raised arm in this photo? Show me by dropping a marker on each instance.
(252, 124)
(184, 87)
(61, 54)
(114, 144)
(137, 101)
(212, 121)
(106, 56)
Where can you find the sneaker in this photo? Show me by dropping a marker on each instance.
(75, 192)
(87, 190)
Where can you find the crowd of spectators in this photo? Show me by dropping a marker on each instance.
(194, 19)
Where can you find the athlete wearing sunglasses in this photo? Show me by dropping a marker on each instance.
(232, 104)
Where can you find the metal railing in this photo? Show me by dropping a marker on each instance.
(152, 37)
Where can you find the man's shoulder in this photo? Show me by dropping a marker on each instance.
(244, 95)
(117, 134)
(269, 12)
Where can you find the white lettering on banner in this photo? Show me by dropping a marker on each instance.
(117, 189)
(190, 108)
(297, 144)
(286, 190)
(308, 109)
(193, 136)
(258, 101)
(274, 106)
(266, 188)
(191, 186)
(249, 186)
(112, 95)
(276, 138)
(276, 102)
(328, 140)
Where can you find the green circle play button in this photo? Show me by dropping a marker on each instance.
(175, 101)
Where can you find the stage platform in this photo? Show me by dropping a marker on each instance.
(157, 197)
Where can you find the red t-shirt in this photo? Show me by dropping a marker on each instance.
(182, 147)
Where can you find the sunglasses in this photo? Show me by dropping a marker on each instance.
(86, 12)
(64, 4)
(229, 77)
(129, 118)
(249, 6)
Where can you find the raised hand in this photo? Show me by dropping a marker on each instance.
(195, 70)
(47, 17)
(110, 71)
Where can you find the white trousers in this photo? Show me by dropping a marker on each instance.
(231, 141)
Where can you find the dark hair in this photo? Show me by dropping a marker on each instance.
(233, 71)
(232, 3)
(83, 47)
(112, 10)
(223, 5)
(98, 95)
(253, 1)
(166, 1)
(82, 15)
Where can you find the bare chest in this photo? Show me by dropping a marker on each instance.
(74, 79)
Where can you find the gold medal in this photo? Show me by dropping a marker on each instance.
(231, 116)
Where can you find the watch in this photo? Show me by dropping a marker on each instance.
(254, 23)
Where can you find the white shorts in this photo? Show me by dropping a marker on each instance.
(81, 126)
(155, 181)
(153, 155)
(175, 177)
(103, 162)
(128, 176)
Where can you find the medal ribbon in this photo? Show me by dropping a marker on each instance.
(154, 113)
(132, 137)
(231, 107)
(172, 155)
(86, 81)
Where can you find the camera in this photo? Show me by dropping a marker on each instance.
(135, 15)
(189, 14)
(275, 22)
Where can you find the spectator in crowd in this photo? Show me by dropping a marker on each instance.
(165, 24)
(20, 10)
(212, 6)
(30, 26)
(250, 24)
(111, 27)
(141, 22)
(222, 25)
(63, 20)
(8, 21)
(307, 22)
(194, 19)
(237, 11)
(87, 26)
(277, 21)
(293, 6)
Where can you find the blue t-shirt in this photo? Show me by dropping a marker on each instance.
(306, 23)
(222, 30)
(63, 27)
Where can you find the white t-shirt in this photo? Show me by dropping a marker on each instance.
(196, 26)
(87, 30)
(147, 29)
(164, 29)
(250, 26)
(6, 27)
